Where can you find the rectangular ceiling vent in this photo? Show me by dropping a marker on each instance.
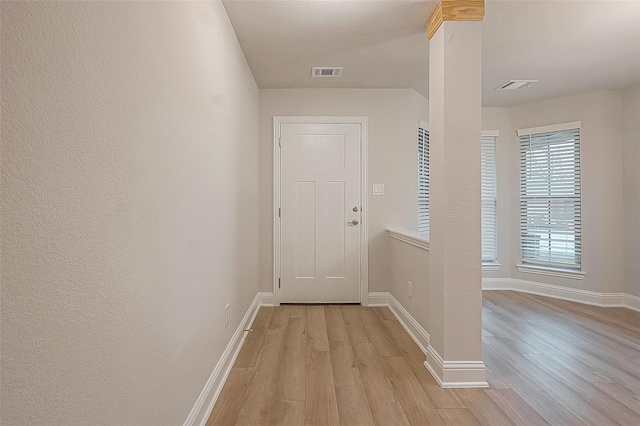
(326, 71)
(516, 84)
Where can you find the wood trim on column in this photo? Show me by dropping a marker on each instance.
(454, 10)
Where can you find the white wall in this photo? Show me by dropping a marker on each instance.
(393, 121)
(631, 134)
(602, 185)
(410, 264)
(498, 119)
(129, 180)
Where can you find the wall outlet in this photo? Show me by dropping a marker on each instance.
(226, 315)
(410, 289)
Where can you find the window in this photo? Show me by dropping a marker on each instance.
(423, 179)
(550, 227)
(488, 197)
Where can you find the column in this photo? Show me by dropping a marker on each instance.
(454, 355)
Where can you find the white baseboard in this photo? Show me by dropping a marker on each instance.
(448, 374)
(607, 300)
(265, 298)
(632, 302)
(377, 299)
(456, 374)
(207, 399)
(415, 330)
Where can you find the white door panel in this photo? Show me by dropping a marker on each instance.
(320, 186)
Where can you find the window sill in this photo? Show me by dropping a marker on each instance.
(553, 272)
(491, 266)
(409, 237)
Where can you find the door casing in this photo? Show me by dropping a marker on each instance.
(278, 121)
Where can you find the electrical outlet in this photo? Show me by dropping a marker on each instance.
(226, 315)
(410, 289)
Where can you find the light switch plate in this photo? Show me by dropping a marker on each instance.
(378, 189)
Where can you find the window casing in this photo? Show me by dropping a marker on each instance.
(550, 197)
(489, 197)
(423, 179)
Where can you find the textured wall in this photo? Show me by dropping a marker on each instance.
(393, 132)
(129, 185)
(631, 134)
(410, 263)
(602, 185)
(455, 122)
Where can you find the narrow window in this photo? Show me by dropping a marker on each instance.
(550, 204)
(423, 179)
(489, 197)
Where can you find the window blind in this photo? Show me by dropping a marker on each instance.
(550, 204)
(423, 181)
(488, 199)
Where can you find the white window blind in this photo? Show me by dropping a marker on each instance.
(550, 205)
(423, 180)
(488, 198)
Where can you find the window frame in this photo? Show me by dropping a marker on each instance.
(533, 195)
(490, 263)
(423, 169)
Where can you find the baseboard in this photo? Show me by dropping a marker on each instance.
(415, 330)
(207, 399)
(379, 298)
(497, 284)
(632, 302)
(605, 300)
(265, 298)
(456, 374)
(448, 374)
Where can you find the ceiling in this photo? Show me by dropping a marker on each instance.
(570, 46)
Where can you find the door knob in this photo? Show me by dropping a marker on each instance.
(353, 222)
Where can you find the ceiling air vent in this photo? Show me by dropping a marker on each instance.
(516, 84)
(326, 71)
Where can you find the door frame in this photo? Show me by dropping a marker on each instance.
(278, 121)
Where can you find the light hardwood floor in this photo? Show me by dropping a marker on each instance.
(549, 362)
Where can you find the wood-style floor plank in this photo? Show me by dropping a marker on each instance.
(231, 397)
(416, 404)
(262, 388)
(316, 329)
(414, 357)
(355, 326)
(384, 404)
(353, 406)
(620, 393)
(515, 407)
(441, 398)
(379, 337)
(287, 413)
(483, 408)
(403, 342)
(457, 417)
(321, 407)
(551, 410)
(251, 347)
(548, 362)
(292, 377)
(494, 381)
(589, 392)
(580, 408)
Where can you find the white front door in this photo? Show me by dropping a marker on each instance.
(321, 213)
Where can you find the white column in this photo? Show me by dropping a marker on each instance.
(455, 262)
